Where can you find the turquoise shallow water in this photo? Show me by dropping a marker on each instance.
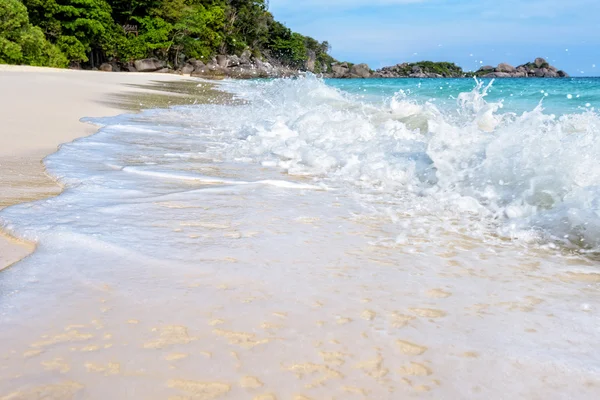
(518, 95)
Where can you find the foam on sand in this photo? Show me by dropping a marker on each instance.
(176, 263)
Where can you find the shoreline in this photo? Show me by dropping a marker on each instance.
(26, 141)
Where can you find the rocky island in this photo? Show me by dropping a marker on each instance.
(429, 69)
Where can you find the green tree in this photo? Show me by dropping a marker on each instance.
(76, 26)
(23, 43)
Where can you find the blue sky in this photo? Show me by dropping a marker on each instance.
(469, 32)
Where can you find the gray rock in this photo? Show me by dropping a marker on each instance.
(486, 68)
(550, 73)
(187, 69)
(311, 61)
(539, 73)
(149, 65)
(504, 67)
(233, 61)
(164, 71)
(416, 69)
(196, 63)
(106, 67)
(562, 74)
(222, 61)
(340, 70)
(539, 62)
(497, 75)
(246, 57)
(360, 70)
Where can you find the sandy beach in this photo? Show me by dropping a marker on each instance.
(172, 267)
(41, 108)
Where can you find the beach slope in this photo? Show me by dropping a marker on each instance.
(41, 108)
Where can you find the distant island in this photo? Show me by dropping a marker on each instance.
(213, 39)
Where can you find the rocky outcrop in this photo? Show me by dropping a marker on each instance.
(237, 67)
(360, 71)
(537, 69)
(149, 65)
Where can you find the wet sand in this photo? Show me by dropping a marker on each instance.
(41, 108)
(326, 313)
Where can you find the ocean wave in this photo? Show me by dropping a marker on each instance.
(531, 176)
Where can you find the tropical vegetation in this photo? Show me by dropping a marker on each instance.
(88, 32)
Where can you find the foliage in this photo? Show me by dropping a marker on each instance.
(172, 30)
(23, 43)
(445, 69)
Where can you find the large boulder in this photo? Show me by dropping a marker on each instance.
(340, 70)
(106, 67)
(187, 69)
(233, 61)
(149, 65)
(504, 67)
(486, 68)
(539, 72)
(562, 74)
(222, 61)
(311, 61)
(360, 70)
(210, 71)
(246, 57)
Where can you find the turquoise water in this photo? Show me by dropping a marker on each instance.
(518, 95)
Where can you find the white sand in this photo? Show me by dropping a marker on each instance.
(40, 108)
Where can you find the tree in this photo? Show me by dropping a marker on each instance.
(76, 26)
(23, 43)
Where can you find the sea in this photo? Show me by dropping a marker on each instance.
(318, 239)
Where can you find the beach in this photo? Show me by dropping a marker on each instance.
(287, 239)
(40, 109)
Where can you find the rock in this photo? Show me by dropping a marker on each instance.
(222, 61)
(242, 73)
(486, 68)
(540, 62)
(416, 69)
(196, 63)
(340, 70)
(149, 65)
(164, 71)
(233, 61)
(550, 73)
(187, 69)
(498, 75)
(360, 70)
(311, 61)
(539, 73)
(246, 57)
(562, 74)
(209, 71)
(106, 67)
(504, 67)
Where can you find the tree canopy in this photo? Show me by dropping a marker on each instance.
(58, 32)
